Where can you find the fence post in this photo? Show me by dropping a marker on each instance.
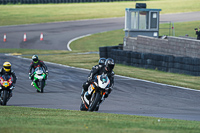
(173, 30)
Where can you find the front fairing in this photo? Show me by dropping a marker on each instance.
(6, 82)
(102, 81)
(99, 84)
(39, 74)
(39, 77)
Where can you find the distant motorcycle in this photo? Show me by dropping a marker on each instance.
(39, 79)
(5, 88)
(97, 90)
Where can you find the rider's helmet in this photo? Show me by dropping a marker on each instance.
(7, 66)
(109, 64)
(35, 58)
(102, 61)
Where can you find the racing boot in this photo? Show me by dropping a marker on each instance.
(86, 100)
(32, 84)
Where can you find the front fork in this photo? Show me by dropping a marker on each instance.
(92, 90)
(35, 84)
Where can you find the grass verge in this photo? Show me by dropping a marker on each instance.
(29, 120)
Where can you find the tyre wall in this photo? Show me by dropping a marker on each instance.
(167, 63)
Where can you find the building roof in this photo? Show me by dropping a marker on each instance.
(141, 9)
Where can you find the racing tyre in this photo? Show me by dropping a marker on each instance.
(5, 97)
(97, 108)
(95, 99)
(42, 83)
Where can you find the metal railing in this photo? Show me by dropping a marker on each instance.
(167, 28)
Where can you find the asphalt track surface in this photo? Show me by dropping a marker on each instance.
(57, 35)
(130, 96)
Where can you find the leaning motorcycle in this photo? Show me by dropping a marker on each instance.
(5, 88)
(97, 89)
(39, 79)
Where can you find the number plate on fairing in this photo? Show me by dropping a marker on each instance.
(90, 89)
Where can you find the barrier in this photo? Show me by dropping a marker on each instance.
(167, 63)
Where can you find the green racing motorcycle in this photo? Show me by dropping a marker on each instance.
(39, 79)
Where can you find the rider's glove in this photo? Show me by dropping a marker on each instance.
(47, 72)
(89, 79)
(30, 76)
(13, 86)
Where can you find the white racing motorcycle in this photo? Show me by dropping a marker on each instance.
(97, 89)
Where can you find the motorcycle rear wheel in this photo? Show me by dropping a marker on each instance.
(96, 97)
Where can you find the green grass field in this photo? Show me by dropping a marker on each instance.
(42, 13)
(34, 120)
(181, 29)
(28, 120)
(113, 38)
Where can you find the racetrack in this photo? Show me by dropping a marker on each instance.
(130, 96)
(57, 35)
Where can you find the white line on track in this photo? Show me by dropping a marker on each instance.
(74, 40)
(79, 38)
(115, 75)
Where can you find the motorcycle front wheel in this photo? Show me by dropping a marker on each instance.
(4, 96)
(42, 83)
(95, 99)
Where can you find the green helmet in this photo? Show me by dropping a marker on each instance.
(35, 58)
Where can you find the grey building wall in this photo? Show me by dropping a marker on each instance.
(175, 46)
(135, 33)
